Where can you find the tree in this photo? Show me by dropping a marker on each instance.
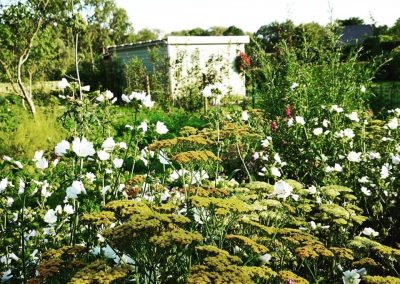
(233, 31)
(353, 21)
(270, 35)
(147, 35)
(20, 25)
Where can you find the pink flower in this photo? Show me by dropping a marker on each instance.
(289, 111)
(274, 126)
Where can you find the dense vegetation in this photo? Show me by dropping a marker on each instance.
(298, 183)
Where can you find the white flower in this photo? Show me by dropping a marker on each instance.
(147, 102)
(3, 184)
(265, 143)
(42, 164)
(6, 276)
(366, 191)
(318, 131)
(63, 84)
(385, 171)
(61, 148)
(370, 232)
(125, 98)
(118, 163)
(393, 123)
(325, 123)
(312, 190)
(9, 201)
(19, 164)
(282, 189)
(100, 98)
(349, 133)
(395, 159)
(300, 120)
(50, 216)
(374, 155)
(69, 209)
(75, 189)
(290, 122)
(313, 225)
(245, 116)
(336, 109)
(275, 172)
(354, 156)
(108, 144)
(338, 168)
(105, 189)
(362, 89)
(103, 155)
(83, 148)
(21, 188)
(109, 95)
(163, 158)
(7, 158)
(91, 177)
(207, 91)
(122, 145)
(265, 258)
(143, 126)
(85, 88)
(137, 96)
(294, 86)
(351, 277)
(161, 128)
(353, 116)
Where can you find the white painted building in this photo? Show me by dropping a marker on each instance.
(193, 58)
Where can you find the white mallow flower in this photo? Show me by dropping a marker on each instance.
(336, 108)
(351, 277)
(62, 148)
(21, 188)
(245, 116)
(50, 217)
(109, 95)
(163, 158)
(125, 98)
(105, 189)
(395, 159)
(137, 96)
(290, 122)
(349, 133)
(366, 191)
(282, 189)
(147, 102)
(393, 123)
(275, 172)
(100, 98)
(118, 163)
(294, 86)
(103, 155)
(3, 184)
(318, 131)
(41, 162)
(265, 258)
(207, 91)
(85, 88)
(338, 168)
(108, 144)
(265, 143)
(122, 145)
(312, 190)
(300, 120)
(385, 171)
(63, 84)
(143, 126)
(82, 147)
(354, 156)
(362, 89)
(161, 128)
(370, 232)
(374, 155)
(9, 201)
(75, 189)
(353, 116)
(325, 123)
(91, 177)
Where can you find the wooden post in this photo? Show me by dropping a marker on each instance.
(147, 84)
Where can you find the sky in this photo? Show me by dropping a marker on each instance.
(249, 15)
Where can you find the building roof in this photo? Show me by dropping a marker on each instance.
(357, 33)
(184, 40)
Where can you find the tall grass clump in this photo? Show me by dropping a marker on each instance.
(29, 134)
